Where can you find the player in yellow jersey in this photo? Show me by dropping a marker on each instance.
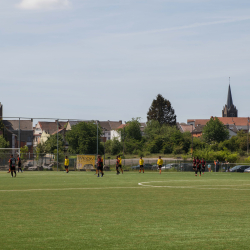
(120, 163)
(141, 163)
(159, 163)
(66, 164)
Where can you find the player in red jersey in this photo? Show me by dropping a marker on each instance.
(117, 165)
(12, 165)
(19, 164)
(198, 167)
(203, 164)
(100, 165)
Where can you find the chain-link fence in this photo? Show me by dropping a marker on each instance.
(48, 162)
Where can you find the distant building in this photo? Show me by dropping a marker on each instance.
(234, 123)
(183, 127)
(229, 118)
(12, 130)
(229, 110)
(109, 128)
(43, 130)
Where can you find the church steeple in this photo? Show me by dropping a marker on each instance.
(229, 110)
(229, 98)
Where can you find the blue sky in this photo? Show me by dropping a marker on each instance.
(108, 60)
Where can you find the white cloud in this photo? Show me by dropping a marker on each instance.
(43, 4)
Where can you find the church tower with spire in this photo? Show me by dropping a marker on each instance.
(229, 110)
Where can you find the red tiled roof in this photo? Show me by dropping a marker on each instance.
(51, 127)
(238, 121)
(58, 131)
(121, 126)
(187, 128)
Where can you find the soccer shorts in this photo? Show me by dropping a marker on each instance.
(12, 168)
(141, 166)
(120, 166)
(159, 166)
(66, 167)
(100, 168)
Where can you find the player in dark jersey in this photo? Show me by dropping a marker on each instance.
(117, 165)
(203, 164)
(100, 165)
(12, 165)
(19, 164)
(198, 167)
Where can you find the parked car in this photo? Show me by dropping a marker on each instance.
(247, 170)
(239, 168)
(169, 166)
(146, 166)
(186, 167)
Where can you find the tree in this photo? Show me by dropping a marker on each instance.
(23, 151)
(82, 138)
(51, 143)
(215, 131)
(133, 129)
(40, 150)
(162, 111)
(3, 142)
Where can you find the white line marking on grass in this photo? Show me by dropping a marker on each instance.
(65, 189)
(197, 186)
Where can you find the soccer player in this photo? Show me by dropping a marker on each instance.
(66, 164)
(120, 163)
(19, 164)
(100, 165)
(203, 164)
(159, 163)
(117, 165)
(198, 167)
(12, 162)
(141, 163)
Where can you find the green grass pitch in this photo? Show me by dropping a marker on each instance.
(55, 210)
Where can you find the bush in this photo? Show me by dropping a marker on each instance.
(247, 160)
(241, 152)
(232, 158)
(178, 150)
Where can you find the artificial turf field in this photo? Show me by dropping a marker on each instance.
(55, 210)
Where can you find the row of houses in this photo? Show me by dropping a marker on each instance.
(233, 124)
(22, 132)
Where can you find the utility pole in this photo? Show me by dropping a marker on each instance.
(19, 135)
(192, 141)
(247, 135)
(57, 145)
(123, 138)
(96, 139)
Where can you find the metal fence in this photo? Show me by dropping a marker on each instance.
(48, 162)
